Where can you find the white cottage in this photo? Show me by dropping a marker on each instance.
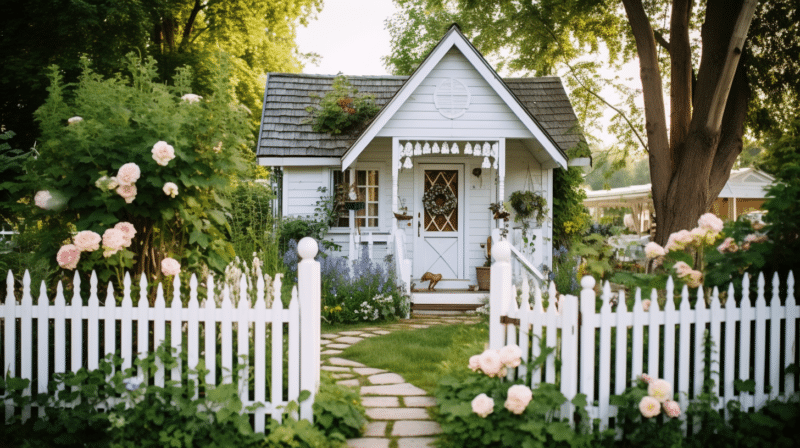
(455, 130)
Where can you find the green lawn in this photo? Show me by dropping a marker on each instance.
(422, 356)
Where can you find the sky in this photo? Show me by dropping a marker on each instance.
(350, 37)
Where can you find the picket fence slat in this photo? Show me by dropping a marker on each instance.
(750, 341)
(36, 332)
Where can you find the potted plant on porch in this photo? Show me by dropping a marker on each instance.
(483, 273)
(527, 205)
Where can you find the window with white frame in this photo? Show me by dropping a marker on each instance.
(367, 183)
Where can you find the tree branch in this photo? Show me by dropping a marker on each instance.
(187, 29)
(618, 111)
(661, 40)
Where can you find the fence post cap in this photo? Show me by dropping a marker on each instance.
(307, 248)
(588, 282)
(501, 251)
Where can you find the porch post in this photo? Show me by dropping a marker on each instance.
(395, 176)
(501, 175)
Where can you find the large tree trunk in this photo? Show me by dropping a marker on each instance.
(688, 173)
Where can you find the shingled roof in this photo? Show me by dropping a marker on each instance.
(286, 130)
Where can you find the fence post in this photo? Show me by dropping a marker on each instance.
(586, 347)
(309, 290)
(499, 291)
(569, 354)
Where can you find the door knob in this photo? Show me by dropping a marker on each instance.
(419, 225)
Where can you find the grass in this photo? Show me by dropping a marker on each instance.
(337, 327)
(422, 356)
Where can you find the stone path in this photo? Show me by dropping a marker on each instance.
(397, 412)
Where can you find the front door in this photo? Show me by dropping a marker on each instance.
(439, 216)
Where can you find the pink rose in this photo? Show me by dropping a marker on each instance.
(87, 241)
(42, 199)
(678, 240)
(646, 378)
(128, 232)
(709, 221)
(128, 174)
(649, 407)
(170, 266)
(653, 250)
(693, 278)
(474, 363)
(128, 192)
(163, 153)
(728, 246)
(681, 268)
(170, 189)
(113, 241)
(518, 398)
(68, 256)
(703, 236)
(672, 408)
(646, 304)
(511, 355)
(482, 405)
(659, 389)
(490, 362)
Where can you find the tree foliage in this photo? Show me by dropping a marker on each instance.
(257, 37)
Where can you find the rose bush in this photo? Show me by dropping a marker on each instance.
(140, 163)
(482, 408)
(640, 419)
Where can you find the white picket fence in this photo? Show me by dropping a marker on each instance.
(254, 327)
(751, 341)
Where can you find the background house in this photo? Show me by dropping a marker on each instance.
(453, 128)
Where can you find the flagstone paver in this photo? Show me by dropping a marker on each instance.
(386, 378)
(397, 412)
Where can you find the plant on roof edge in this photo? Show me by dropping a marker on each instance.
(342, 109)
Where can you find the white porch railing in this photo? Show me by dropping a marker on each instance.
(259, 328)
(402, 264)
(674, 348)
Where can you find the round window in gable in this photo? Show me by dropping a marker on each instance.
(451, 98)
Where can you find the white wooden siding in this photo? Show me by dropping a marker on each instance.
(300, 184)
(487, 116)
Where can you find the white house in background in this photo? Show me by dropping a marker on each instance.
(454, 126)
(744, 192)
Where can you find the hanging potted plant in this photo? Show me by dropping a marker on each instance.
(528, 205)
(351, 198)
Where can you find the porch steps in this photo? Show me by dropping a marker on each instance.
(447, 301)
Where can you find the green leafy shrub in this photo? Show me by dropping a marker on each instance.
(482, 409)
(338, 411)
(140, 152)
(342, 109)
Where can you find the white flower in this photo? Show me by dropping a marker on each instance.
(128, 232)
(74, 120)
(113, 241)
(659, 389)
(511, 355)
(519, 396)
(191, 98)
(170, 189)
(87, 241)
(170, 266)
(490, 362)
(42, 199)
(128, 192)
(649, 407)
(163, 153)
(482, 405)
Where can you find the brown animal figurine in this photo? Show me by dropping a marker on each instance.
(434, 279)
